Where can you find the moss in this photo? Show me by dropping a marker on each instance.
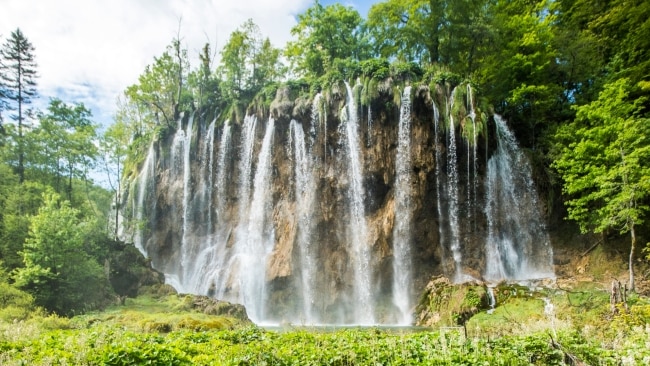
(444, 303)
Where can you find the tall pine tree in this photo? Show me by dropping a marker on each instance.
(18, 85)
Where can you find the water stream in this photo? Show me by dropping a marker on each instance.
(402, 263)
(360, 250)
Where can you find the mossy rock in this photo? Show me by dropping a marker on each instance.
(447, 304)
(157, 291)
(156, 326)
(210, 306)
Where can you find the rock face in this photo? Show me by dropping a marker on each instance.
(293, 212)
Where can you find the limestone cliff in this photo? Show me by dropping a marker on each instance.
(272, 213)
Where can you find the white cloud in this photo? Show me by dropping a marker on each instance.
(89, 51)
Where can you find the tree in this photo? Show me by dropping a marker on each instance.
(65, 144)
(19, 85)
(58, 271)
(604, 160)
(325, 34)
(114, 148)
(248, 62)
(203, 82)
(160, 89)
(453, 33)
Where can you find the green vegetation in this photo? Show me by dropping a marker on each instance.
(572, 77)
(57, 250)
(166, 331)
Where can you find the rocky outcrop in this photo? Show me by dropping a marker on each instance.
(210, 306)
(203, 240)
(446, 304)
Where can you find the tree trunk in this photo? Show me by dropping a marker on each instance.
(632, 247)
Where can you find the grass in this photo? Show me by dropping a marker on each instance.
(166, 330)
(149, 314)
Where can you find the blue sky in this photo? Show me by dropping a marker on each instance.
(362, 6)
(89, 51)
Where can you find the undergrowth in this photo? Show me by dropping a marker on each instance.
(521, 330)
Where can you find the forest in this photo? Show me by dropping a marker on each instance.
(571, 77)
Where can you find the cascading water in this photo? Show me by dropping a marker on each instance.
(222, 174)
(369, 126)
(246, 165)
(318, 118)
(200, 202)
(255, 243)
(452, 192)
(305, 191)
(331, 261)
(145, 186)
(440, 187)
(518, 246)
(208, 265)
(207, 184)
(187, 246)
(232, 266)
(492, 301)
(402, 266)
(360, 250)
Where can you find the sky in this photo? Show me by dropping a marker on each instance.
(89, 51)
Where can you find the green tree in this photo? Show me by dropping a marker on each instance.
(604, 160)
(248, 62)
(521, 75)
(114, 148)
(18, 85)
(58, 271)
(203, 82)
(64, 144)
(160, 93)
(453, 33)
(325, 34)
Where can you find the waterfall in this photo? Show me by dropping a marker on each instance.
(231, 268)
(518, 246)
(215, 259)
(187, 246)
(246, 164)
(208, 262)
(145, 186)
(440, 188)
(225, 190)
(255, 242)
(364, 312)
(472, 115)
(369, 142)
(305, 191)
(207, 185)
(452, 192)
(221, 183)
(402, 263)
(492, 300)
(318, 118)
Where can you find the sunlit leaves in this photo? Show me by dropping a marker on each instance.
(605, 163)
(323, 35)
(58, 270)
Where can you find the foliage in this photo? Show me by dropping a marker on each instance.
(18, 87)
(14, 304)
(248, 62)
(432, 32)
(247, 346)
(604, 162)
(58, 270)
(326, 34)
(160, 94)
(63, 145)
